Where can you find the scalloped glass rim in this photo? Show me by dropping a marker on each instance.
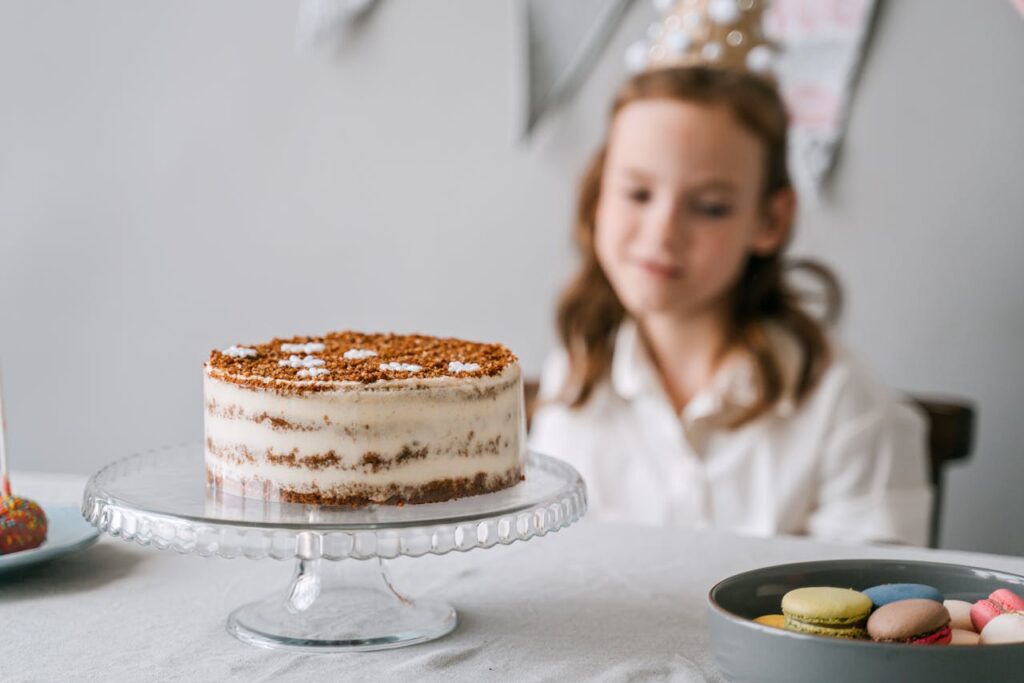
(160, 498)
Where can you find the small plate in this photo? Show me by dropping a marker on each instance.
(67, 532)
(748, 651)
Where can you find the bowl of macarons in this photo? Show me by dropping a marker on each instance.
(866, 620)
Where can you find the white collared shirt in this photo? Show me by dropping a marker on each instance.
(848, 463)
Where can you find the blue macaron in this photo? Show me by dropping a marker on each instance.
(893, 592)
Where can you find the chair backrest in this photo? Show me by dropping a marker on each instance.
(950, 431)
(530, 389)
(950, 438)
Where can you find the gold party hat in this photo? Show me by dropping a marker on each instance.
(721, 33)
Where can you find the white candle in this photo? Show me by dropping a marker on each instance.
(5, 483)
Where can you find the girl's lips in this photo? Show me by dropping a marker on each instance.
(660, 269)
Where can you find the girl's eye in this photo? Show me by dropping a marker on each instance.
(713, 209)
(638, 195)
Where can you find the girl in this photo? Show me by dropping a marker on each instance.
(692, 387)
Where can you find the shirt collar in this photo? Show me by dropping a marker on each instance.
(733, 388)
(632, 372)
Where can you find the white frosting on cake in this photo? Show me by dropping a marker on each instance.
(309, 347)
(356, 354)
(457, 366)
(240, 352)
(401, 367)
(298, 362)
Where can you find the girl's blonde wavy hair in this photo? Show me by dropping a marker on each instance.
(589, 312)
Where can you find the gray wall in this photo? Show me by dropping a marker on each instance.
(175, 177)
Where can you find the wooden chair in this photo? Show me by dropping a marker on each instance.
(950, 438)
(530, 389)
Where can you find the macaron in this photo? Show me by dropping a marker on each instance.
(1005, 628)
(775, 620)
(917, 622)
(959, 614)
(826, 611)
(964, 637)
(893, 592)
(1002, 601)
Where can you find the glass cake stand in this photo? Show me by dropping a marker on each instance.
(160, 498)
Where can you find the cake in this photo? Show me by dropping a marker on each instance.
(353, 419)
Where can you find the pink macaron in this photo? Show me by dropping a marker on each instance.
(999, 602)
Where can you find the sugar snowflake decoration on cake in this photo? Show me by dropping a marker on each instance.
(312, 372)
(357, 354)
(240, 352)
(401, 367)
(297, 362)
(307, 348)
(458, 366)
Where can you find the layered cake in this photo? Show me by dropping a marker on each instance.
(353, 419)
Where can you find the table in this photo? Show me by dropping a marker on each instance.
(591, 602)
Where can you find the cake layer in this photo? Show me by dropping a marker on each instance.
(438, 420)
(349, 494)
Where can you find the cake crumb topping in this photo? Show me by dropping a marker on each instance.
(357, 357)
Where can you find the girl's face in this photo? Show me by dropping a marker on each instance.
(681, 208)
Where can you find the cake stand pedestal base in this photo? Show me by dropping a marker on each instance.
(346, 606)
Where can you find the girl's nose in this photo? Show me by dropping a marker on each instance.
(666, 227)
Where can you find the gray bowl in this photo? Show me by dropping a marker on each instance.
(747, 651)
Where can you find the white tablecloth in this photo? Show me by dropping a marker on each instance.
(591, 602)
